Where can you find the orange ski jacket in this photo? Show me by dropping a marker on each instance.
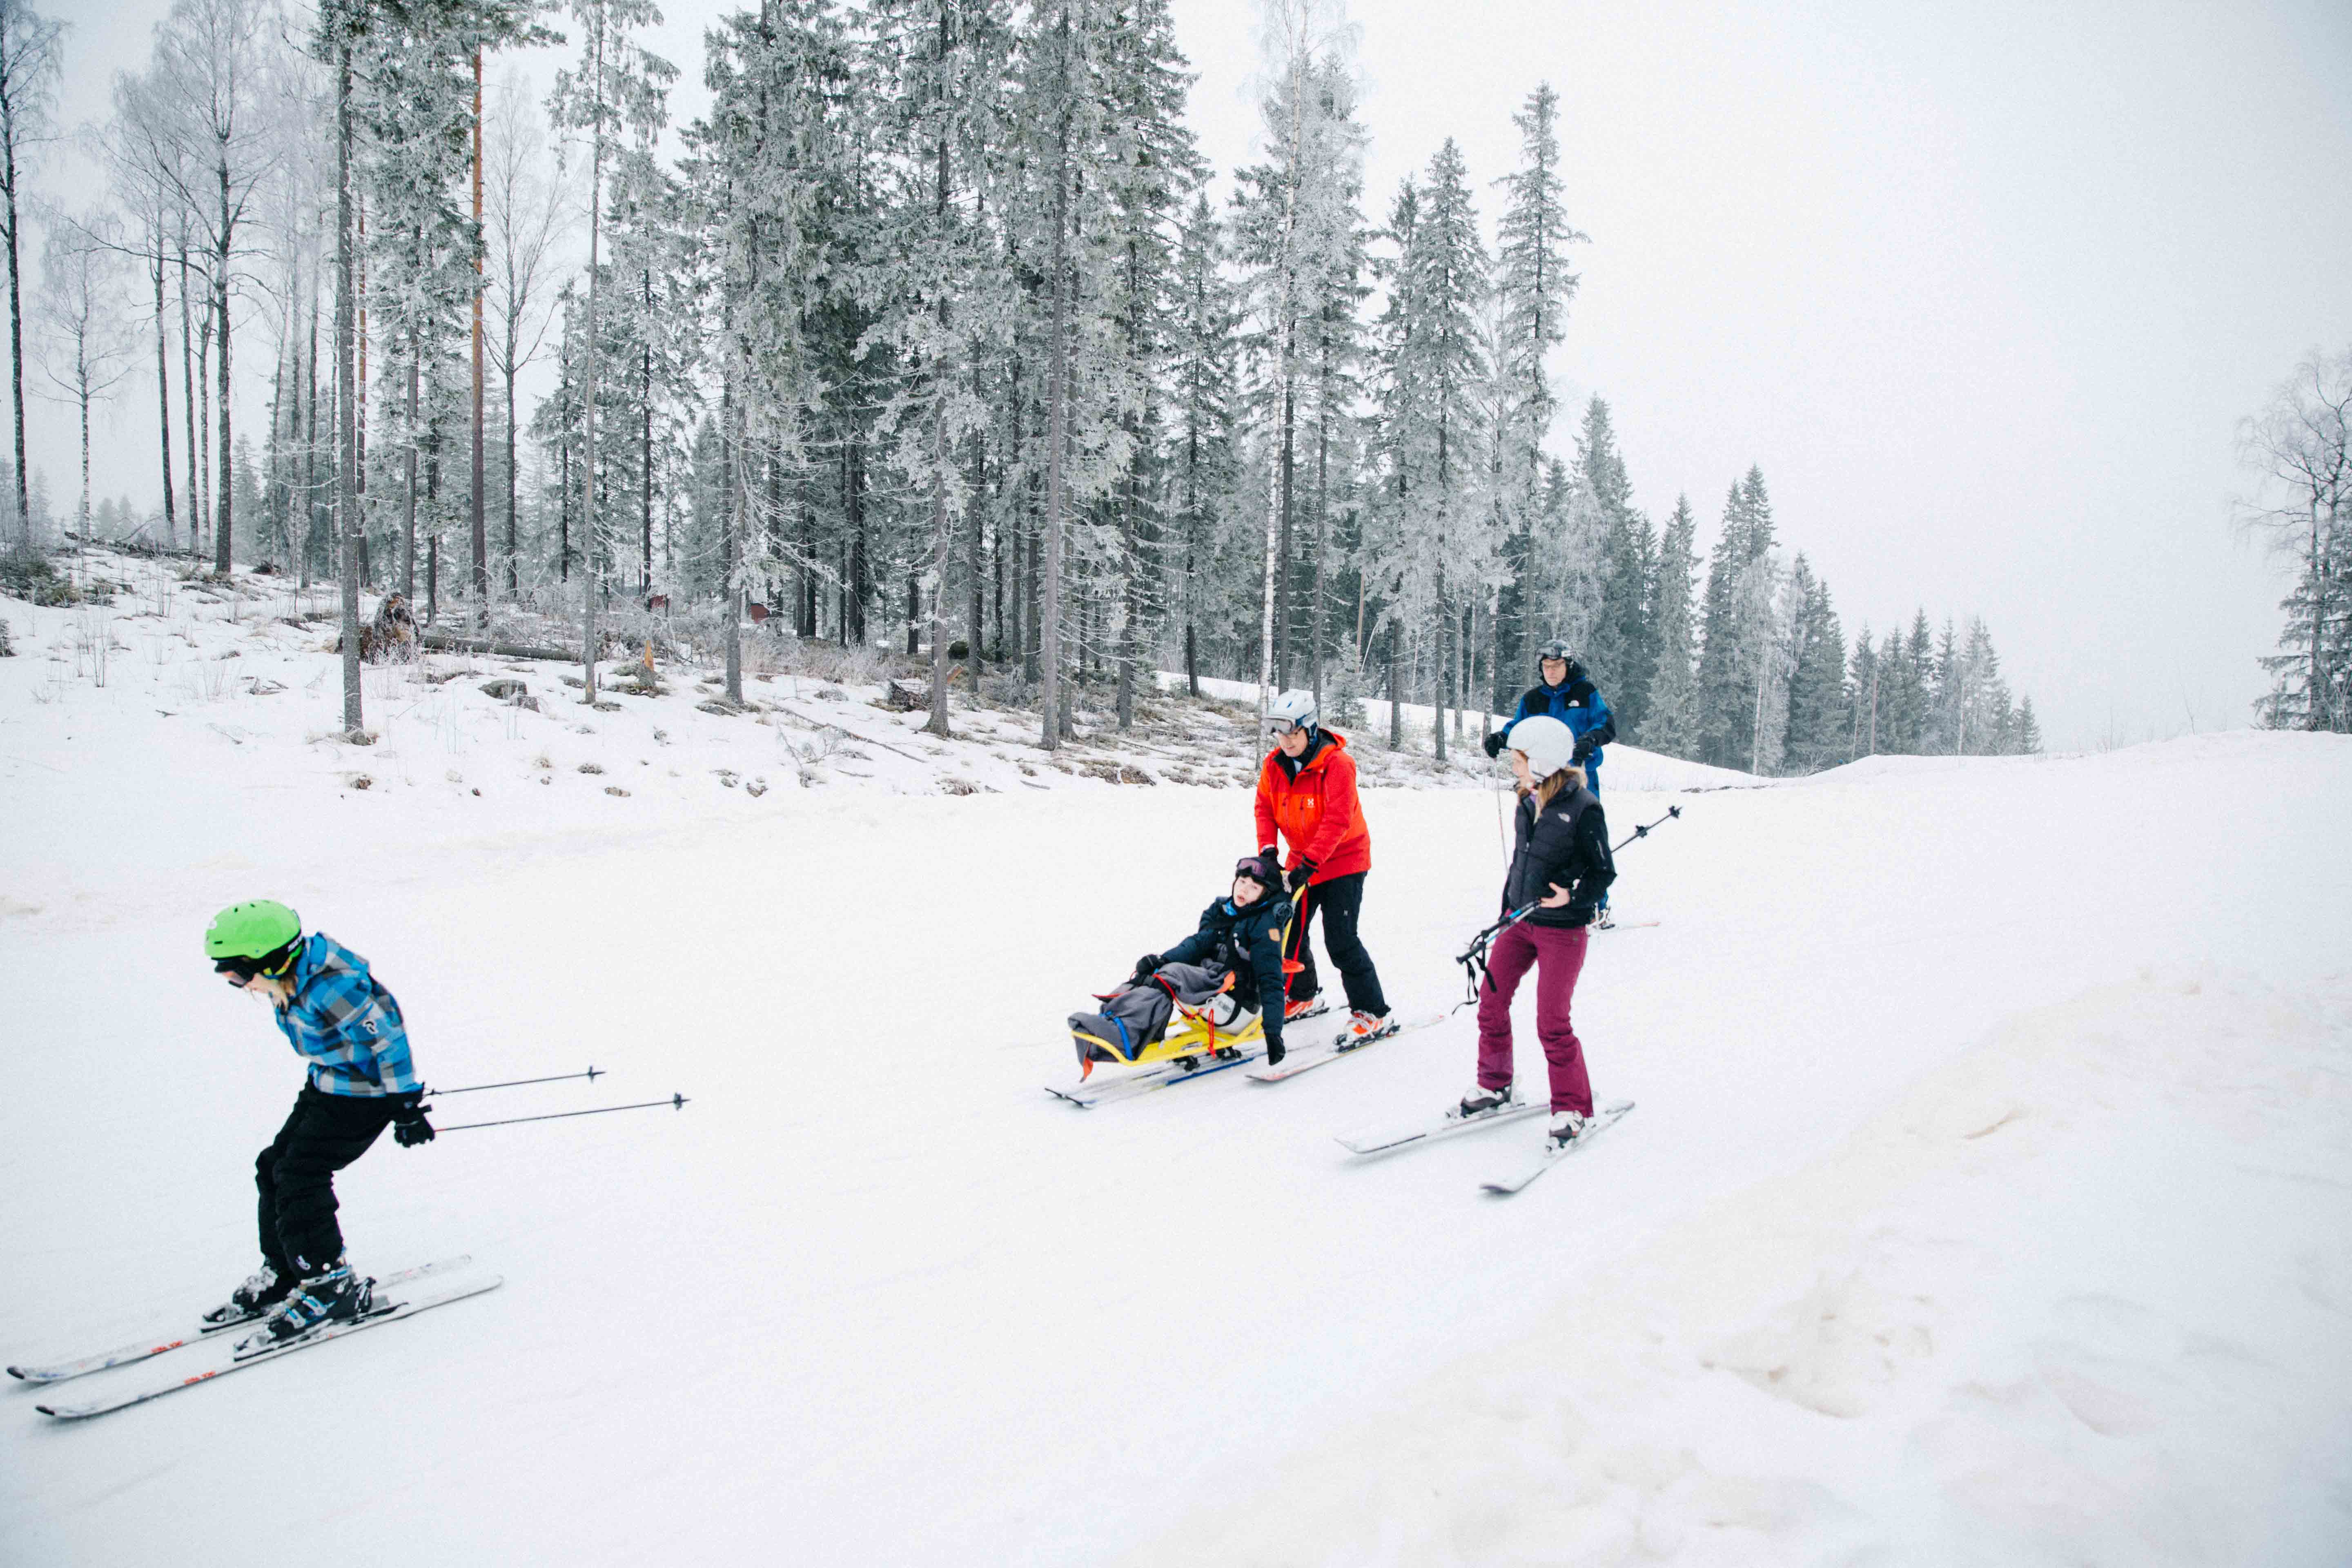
(1316, 811)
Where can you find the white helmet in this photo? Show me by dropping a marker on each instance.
(1550, 744)
(1296, 708)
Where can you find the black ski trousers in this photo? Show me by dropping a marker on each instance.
(1339, 901)
(296, 1176)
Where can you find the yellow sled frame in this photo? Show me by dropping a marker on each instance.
(1190, 1032)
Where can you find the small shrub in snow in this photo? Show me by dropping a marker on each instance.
(592, 768)
(617, 789)
(361, 781)
(959, 786)
(7, 644)
(756, 788)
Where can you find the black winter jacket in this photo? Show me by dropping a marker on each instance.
(1566, 845)
(1249, 943)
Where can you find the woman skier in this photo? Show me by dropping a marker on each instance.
(1307, 794)
(1561, 865)
(333, 1013)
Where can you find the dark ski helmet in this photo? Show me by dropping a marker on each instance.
(1263, 870)
(254, 938)
(1557, 648)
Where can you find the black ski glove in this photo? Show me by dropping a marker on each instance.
(1492, 743)
(1268, 852)
(409, 1127)
(1585, 748)
(1145, 968)
(1301, 877)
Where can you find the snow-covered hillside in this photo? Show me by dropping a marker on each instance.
(1985, 1202)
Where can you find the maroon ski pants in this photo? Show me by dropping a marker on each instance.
(1557, 955)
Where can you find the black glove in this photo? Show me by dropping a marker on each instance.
(1301, 877)
(1492, 743)
(409, 1127)
(1145, 967)
(1585, 748)
(1268, 852)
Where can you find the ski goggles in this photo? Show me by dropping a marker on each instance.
(1259, 870)
(1278, 728)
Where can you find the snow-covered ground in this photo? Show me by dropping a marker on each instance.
(1986, 1201)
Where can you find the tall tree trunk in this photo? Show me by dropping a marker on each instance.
(224, 531)
(646, 437)
(734, 420)
(17, 334)
(408, 522)
(347, 499)
(592, 578)
(188, 408)
(163, 399)
(476, 535)
(1049, 691)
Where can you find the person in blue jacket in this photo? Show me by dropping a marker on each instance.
(342, 1022)
(1567, 693)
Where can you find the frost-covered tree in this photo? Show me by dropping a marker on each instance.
(29, 64)
(1621, 649)
(85, 330)
(1205, 460)
(1671, 721)
(525, 209)
(1736, 626)
(2300, 450)
(1819, 708)
(1533, 287)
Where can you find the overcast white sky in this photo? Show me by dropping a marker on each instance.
(1983, 286)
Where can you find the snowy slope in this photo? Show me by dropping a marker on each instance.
(1985, 1202)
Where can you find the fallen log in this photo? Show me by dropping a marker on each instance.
(452, 642)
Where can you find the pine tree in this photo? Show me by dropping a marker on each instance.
(1819, 706)
(1622, 652)
(1671, 722)
(1205, 463)
(1534, 287)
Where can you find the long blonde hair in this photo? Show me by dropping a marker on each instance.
(1546, 790)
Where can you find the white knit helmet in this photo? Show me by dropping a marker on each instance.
(1550, 744)
(1293, 708)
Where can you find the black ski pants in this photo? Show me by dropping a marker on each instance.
(296, 1176)
(1339, 901)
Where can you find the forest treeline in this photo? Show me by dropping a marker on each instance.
(929, 332)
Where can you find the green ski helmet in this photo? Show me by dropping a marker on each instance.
(253, 938)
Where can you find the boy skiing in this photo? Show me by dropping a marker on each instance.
(333, 1013)
(1240, 934)
(1307, 794)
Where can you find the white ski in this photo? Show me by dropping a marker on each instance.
(139, 1350)
(224, 1360)
(1444, 1126)
(1602, 1119)
(1298, 1061)
(1167, 1075)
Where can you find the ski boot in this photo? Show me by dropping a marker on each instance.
(262, 1290)
(1567, 1127)
(1484, 1101)
(1305, 1007)
(334, 1295)
(1363, 1028)
(1604, 920)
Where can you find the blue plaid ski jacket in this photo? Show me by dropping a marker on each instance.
(347, 1024)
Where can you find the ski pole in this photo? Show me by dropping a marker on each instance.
(1644, 831)
(675, 1101)
(517, 1082)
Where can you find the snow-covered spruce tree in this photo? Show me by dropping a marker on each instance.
(1433, 375)
(940, 73)
(1148, 164)
(1533, 287)
(1670, 723)
(1819, 707)
(1204, 472)
(1296, 223)
(1623, 649)
(776, 170)
(1732, 651)
(2299, 449)
(618, 89)
(2026, 739)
